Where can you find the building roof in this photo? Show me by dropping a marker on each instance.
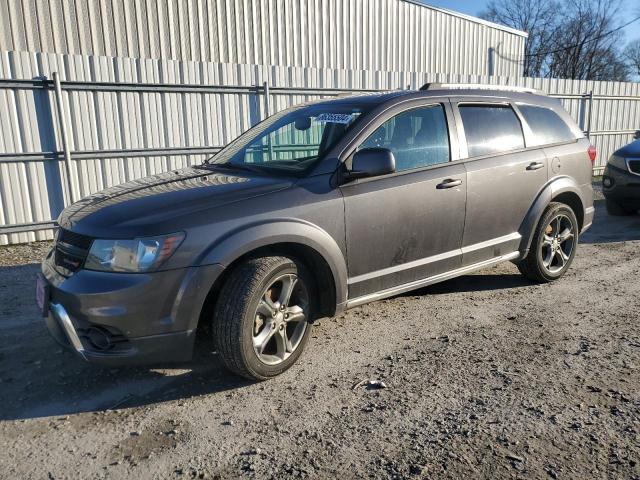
(471, 18)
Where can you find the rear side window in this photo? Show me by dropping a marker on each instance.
(546, 125)
(491, 129)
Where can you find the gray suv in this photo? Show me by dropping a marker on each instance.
(319, 208)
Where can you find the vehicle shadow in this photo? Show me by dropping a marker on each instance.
(609, 229)
(475, 283)
(39, 378)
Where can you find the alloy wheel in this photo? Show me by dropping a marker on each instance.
(558, 243)
(280, 319)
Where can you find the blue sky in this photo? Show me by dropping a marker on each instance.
(474, 7)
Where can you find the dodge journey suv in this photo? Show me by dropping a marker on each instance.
(319, 208)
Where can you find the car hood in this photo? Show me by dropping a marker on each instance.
(150, 205)
(630, 150)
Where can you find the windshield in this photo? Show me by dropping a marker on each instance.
(290, 141)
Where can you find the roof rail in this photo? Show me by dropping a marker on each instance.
(479, 86)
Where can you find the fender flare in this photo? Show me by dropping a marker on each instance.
(225, 250)
(551, 190)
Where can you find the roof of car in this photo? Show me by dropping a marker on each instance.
(366, 98)
(376, 98)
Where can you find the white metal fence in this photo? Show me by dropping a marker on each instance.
(128, 118)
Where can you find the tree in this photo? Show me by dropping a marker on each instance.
(587, 43)
(632, 54)
(539, 18)
(575, 39)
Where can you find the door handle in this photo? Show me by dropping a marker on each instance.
(535, 166)
(449, 183)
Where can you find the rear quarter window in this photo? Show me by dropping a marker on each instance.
(547, 127)
(491, 129)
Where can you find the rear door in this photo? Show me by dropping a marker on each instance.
(503, 177)
(566, 156)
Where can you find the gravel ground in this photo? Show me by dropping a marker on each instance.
(485, 376)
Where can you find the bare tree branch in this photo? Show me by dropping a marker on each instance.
(576, 39)
(632, 54)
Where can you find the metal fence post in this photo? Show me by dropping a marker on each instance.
(62, 122)
(267, 112)
(491, 61)
(267, 108)
(589, 116)
(582, 113)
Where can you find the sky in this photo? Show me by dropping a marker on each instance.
(474, 7)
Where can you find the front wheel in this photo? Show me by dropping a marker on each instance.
(261, 320)
(553, 246)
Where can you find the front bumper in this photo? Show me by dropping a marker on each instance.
(624, 189)
(118, 319)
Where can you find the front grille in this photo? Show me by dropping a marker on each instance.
(75, 239)
(634, 166)
(71, 250)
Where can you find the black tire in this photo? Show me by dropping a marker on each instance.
(616, 210)
(532, 266)
(236, 312)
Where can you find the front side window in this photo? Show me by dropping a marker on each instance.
(418, 138)
(546, 125)
(290, 141)
(491, 129)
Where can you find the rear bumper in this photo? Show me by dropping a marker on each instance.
(589, 213)
(118, 319)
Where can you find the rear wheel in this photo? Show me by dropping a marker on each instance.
(553, 246)
(617, 210)
(261, 318)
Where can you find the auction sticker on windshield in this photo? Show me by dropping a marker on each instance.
(335, 118)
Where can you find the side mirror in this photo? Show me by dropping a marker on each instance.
(303, 123)
(372, 162)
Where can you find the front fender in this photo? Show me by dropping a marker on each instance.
(551, 190)
(284, 230)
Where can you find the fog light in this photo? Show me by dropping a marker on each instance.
(607, 182)
(99, 338)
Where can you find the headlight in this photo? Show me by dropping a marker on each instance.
(138, 255)
(617, 161)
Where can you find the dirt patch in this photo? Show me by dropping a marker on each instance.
(484, 376)
(149, 440)
(24, 254)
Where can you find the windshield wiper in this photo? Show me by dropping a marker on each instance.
(233, 166)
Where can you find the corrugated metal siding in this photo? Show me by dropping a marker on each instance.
(391, 35)
(33, 191)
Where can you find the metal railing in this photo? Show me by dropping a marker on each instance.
(262, 97)
(69, 157)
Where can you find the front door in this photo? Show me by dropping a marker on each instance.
(406, 226)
